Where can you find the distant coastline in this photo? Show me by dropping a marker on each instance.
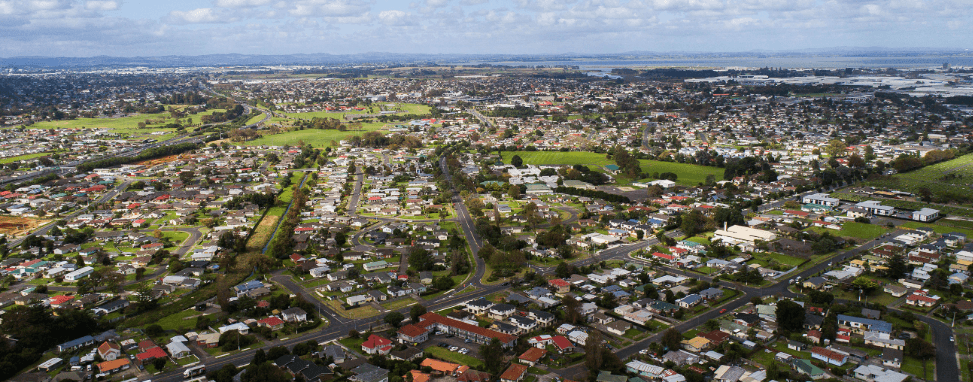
(839, 58)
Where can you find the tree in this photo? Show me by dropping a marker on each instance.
(671, 339)
(865, 285)
(420, 259)
(773, 371)
(443, 282)
(514, 191)
(264, 372)
(516, 161)
(186, 176)
(571, 313)
(694, 222)
(896, 267)
(835, 148)
(790, 316)
(394, 319)
(563, 270)
(416, 311)
(154, 330)
(492, 355)
(919, 348)
(592, 349)
(728, 216)
(654, 191)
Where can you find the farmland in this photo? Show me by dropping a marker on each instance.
(688, 174)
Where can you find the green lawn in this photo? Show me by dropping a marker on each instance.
(454, 357)
(558, 158)
(176, 237)
(288, 193)
(779, 258)
(913, 366)
(861, 230)
(255, 119)
(687, 174)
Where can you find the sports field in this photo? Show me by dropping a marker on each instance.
(314, 137)
(403, 108)
(688, 174)
(559, 158)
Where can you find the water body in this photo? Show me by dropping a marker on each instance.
(788, 62)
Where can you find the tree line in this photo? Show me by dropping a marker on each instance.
(611, 198)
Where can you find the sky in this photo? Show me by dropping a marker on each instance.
(83, 28)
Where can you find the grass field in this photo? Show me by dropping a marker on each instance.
(558, 158)
(403, 108)
(265, 229)
(398, 304)
(940, 229)
(125, 125)
(361, 312)
(861, 230)
(314, 137)
(931, 177)
(688, 174)
(769, 257)
(22, 157)
(255, 119)
(454, 357)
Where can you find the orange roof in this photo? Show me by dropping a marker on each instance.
(533, 354)
(112, 365)
(418, 376)
(440, 366)
(107, 346)
(514, 372)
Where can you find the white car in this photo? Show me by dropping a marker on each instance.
(453, 348)
(644, 351)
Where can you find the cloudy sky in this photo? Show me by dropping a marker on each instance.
(193, 27)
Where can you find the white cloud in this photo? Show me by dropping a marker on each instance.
(241, 3)
(196, 16)
(394, 17)
(473, 2)
(101, 5)
(326, 8)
